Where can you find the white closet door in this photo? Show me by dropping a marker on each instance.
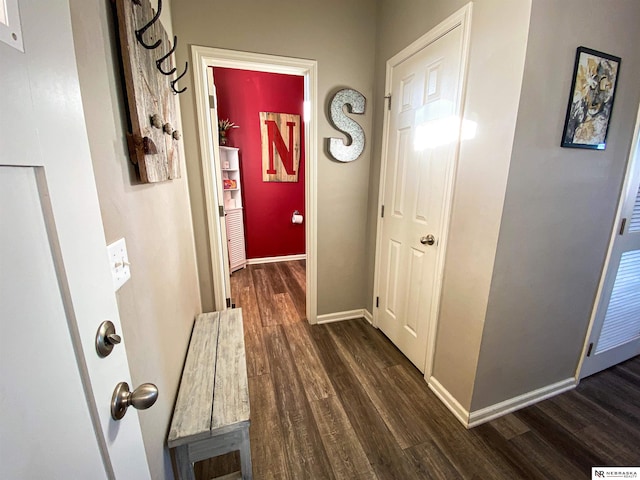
(615, 334)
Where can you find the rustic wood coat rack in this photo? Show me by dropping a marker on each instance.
(148, 64)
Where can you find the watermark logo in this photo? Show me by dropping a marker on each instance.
(615, 472)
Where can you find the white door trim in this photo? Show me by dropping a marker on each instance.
(204, 57)
(632, 165)
(460, 18)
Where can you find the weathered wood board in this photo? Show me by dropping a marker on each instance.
(153, 149)
(231, 389)
(192, 413)
(280, 133)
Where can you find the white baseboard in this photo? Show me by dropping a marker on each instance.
(368, 316)
(478, 417)
(285, 258)
(449, 401)
(340, 316)
(491, 412)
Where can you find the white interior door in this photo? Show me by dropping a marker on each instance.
(45, 414)
(615, 333)
(422, 133)
(55, 281)
(218, 222)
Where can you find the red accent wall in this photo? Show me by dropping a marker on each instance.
(268, 206)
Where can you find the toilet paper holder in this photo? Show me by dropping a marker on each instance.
(293, 217)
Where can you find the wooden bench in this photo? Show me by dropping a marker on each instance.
(211, 415)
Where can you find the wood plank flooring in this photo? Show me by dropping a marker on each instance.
(339, 401)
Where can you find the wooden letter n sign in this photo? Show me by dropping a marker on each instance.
(280, 146)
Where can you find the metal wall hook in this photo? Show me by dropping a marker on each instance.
(141, 31)
(167, 55)
(174, 81)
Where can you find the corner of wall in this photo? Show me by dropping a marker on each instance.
(480, 189)
(559, 206)
(460, 412)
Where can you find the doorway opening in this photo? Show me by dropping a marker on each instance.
(217, 200)
(264, 213)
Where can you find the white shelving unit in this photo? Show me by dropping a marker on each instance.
(232, 196)
(230, 164)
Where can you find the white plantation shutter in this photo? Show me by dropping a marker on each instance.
(622, 320)
(634, 224)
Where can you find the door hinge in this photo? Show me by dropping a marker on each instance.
(377, 302)
(382, 211)
(212, 101)
(590, 348)
(228, 302)
(220, 211)
(622, 225)
(388, 97)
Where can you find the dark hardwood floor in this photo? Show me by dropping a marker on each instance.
(340, 401)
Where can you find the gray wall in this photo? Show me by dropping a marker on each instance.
(560, 203)
(494, 79)
(340, 36)
(158, 305)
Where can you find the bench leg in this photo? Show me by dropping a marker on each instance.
(245, 456)
(185, 467)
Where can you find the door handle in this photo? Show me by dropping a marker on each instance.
(141, 398)
(428, 240)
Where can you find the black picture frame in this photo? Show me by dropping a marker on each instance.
(593, 89)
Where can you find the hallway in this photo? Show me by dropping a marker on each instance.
(340, 401)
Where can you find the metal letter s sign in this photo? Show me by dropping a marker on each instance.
(355, 103)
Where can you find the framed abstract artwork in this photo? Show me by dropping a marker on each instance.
(595, 76)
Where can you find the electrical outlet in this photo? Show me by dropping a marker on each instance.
(119, 263)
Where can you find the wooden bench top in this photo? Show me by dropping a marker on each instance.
(214, 393)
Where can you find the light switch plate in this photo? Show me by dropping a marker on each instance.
(119, 263)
